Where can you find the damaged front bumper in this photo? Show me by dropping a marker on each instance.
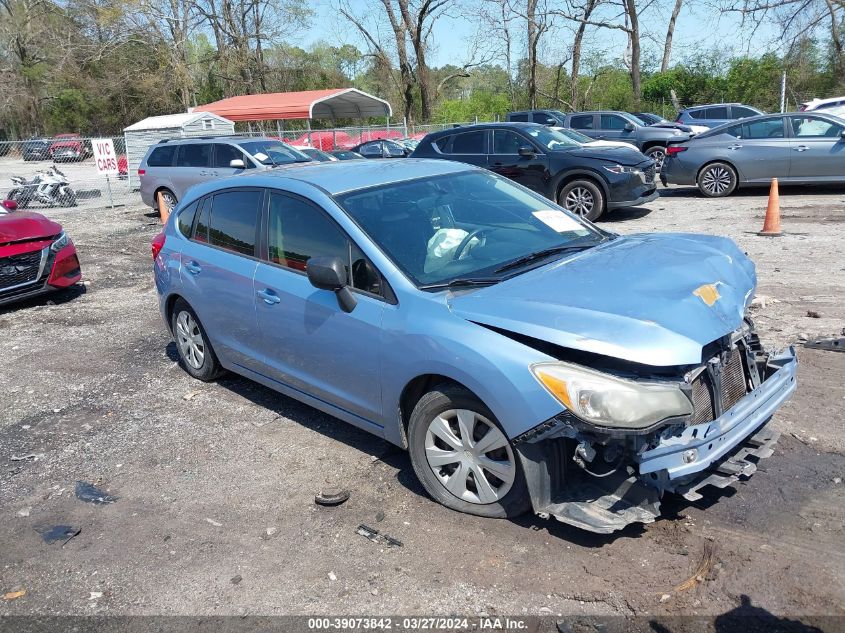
(677, 460)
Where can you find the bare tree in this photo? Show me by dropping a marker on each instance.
(670, 33)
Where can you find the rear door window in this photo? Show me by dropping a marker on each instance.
(469, 143)
(720, 112)
(767, 128)
(234, 219)
(370, 149)
(522, 117)
(696, 114)
(201, 231)
(739, 112)
(194, 155)
(581, 122)
(162, 156)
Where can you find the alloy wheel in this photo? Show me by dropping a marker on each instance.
(658, 156)
(470, 456)
(190, 341)
(716, 180)
(169, 200)
(579, 200)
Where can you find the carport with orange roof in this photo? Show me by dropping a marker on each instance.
(332, 104)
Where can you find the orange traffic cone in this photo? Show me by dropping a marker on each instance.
(771, 226)
(163, 211)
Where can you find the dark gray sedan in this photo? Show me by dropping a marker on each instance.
(795, 148)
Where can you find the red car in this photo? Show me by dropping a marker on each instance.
(36, 255)
(68, 147)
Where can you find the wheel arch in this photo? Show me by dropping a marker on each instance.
(161, 188)
(566, 177)
(415, 389)
(727, 162)
(654, 143)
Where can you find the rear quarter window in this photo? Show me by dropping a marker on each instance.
(162, 156)
(185, 219)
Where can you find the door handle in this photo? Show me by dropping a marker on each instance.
(801, 148)
(269, 297)
(193, 268)
(735, 146)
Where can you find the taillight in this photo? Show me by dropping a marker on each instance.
(157, 245)
(141, 172)
(675, 149)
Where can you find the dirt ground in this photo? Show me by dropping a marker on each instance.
(215, 482)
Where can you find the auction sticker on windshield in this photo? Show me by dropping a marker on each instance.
(558, 221)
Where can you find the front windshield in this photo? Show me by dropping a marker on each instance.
(465, 225)
(636, 119)
(550, 139)
(274, 152)
(575, 136)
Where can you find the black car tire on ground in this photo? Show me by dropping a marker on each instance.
(210, 367)
(658, 154)
(717, 180)
(575, 197)
(452, 397)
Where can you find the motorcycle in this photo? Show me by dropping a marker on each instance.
(50, 187)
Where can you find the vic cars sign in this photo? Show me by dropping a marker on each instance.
(104, 156)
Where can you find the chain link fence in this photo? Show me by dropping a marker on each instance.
(28, 168)
(31, 169)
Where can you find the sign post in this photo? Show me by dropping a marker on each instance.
(106, 161)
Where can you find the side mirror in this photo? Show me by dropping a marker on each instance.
(629, 127)
(236, 163)
(10, 205)
(526, 151)
(329, 273)
(551, 122)
(842, 134)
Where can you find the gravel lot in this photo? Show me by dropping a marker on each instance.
(215, 482)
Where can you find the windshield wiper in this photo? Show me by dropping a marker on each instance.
(546, 252)
(463, 282)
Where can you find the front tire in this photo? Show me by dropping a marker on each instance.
(584, 198)
(169, 198)
(717, 180)
(195, 353)
(658, 155)
(463, 458)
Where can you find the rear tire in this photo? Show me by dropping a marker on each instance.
(717, 180)
(583, 198)
(463, 458)
(195, 353)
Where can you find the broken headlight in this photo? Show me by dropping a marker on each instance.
(607, 400)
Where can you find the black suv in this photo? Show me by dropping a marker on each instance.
(584, 180)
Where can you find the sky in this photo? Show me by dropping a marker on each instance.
(697, 29)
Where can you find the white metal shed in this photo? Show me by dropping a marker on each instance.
(139, 136)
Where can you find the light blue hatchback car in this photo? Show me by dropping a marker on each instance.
(524, 357)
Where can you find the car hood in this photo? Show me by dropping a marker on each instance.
(25, 225)
(620, 154)
(654, 299)
(74, 145)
